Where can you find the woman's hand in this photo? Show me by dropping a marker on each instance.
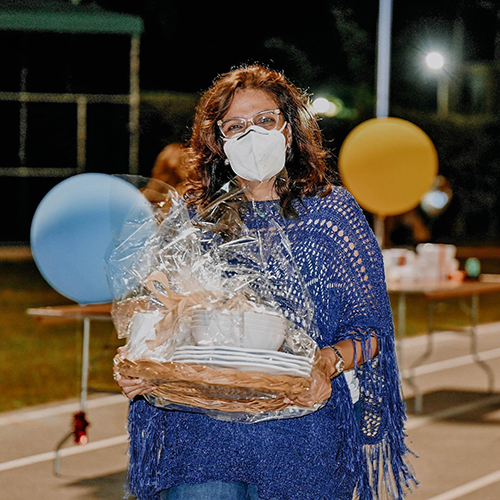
(131, 387)
(321, 388)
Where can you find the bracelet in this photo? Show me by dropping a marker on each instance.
(340, 365)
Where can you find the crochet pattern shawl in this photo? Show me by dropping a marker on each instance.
(327, 454)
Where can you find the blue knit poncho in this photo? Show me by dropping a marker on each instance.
(327, 454)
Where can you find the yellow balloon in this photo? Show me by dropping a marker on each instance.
(388, 164)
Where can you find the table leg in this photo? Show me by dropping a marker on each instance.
(474, 316)
(85, 364)
(400, 334)
(401, 330)
(419, 398)
(83, 391)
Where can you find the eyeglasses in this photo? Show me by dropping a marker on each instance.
(268, 120)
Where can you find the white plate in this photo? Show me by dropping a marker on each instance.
(202, 348)
(255, 367)
(275, 356)
(208, 359)
(262, 358)
(230, 349)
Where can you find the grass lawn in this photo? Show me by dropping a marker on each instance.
(41, 362)
(449, 314)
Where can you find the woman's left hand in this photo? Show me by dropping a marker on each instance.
(321, 388)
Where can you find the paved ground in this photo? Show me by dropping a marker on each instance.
(457, 437)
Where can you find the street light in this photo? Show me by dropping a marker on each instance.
(436, 62)
(323, 106)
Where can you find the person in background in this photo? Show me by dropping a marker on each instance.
(408, 229)
(256, 125)
(170, 167)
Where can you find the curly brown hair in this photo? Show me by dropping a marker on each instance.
(306, 162)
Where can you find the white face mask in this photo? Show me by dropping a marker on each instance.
(258, 154)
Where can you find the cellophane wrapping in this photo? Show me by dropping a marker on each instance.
(216, 315)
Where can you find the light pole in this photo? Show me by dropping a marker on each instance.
(384, 41)
(384, 58)
(436, 62)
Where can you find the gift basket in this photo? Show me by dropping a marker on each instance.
(215, 313)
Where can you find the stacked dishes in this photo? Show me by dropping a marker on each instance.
(262, 331)
(209, 328)
(232, 328)
(245, 359)
(246, 341)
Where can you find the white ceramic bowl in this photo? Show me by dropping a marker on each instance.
(270, 321)
(205, 313)
(260, 316)
(214, 323)
(258, 338)
(250, 330)
(263, 326)
(220, 330)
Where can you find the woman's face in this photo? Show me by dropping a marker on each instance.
(247, 103)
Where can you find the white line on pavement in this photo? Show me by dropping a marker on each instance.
(470, 487)
(448, 335)
(17, 418)
(451, 363)
(415, 422)
(65, 452)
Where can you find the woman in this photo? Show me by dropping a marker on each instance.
(254, 124)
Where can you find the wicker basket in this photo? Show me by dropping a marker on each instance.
(222, 389)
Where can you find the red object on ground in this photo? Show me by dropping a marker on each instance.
(80, 428)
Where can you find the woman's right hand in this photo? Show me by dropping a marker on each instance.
(132, 387)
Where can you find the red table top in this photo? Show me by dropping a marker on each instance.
(73, 311)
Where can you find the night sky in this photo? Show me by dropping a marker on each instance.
(321, 43)
(325, 47)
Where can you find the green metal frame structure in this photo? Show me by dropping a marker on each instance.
(58, 16)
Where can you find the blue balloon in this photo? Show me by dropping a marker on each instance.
(76, 225)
